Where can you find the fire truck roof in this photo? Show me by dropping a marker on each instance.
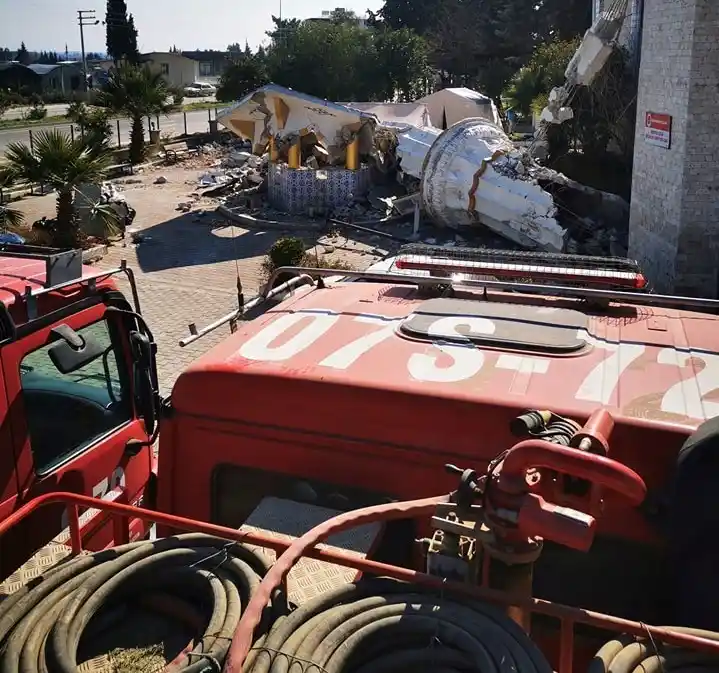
(329, 345)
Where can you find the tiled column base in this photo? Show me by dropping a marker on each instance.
(298, 190)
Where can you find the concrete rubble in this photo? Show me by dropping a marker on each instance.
(351, 165)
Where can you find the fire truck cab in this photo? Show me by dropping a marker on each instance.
(78, 396)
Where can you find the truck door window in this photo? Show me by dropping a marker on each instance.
(65, 413)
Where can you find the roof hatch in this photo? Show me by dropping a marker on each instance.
(511, 326)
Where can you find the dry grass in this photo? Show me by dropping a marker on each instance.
(137, 659)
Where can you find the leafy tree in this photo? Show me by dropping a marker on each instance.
(23, 56)
(5, 55)
(417, 15)
(63, 164)
(544, 71)
(245, 74)
(94, 122)
(136, 92)
(402, 64)
(121, 35)
(340, 61)
(564, 19)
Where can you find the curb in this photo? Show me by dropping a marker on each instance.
(255, 223)
(94, 254)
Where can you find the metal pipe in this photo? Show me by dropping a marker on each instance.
(404, 510)
(242, 639)
(237, 313)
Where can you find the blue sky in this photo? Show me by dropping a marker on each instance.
(189, 24)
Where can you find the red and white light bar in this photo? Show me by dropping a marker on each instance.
(629, 279)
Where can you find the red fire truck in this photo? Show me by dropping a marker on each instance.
(579, 419)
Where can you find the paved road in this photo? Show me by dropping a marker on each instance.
(197, 122)
(57, 109)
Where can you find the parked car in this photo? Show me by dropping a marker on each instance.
(197, 89)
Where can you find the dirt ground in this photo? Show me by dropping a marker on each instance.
(186, 263)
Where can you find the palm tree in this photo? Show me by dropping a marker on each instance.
(63, 164)
(11, 220)
(136, 92)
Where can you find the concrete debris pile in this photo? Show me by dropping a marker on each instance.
(314, 158)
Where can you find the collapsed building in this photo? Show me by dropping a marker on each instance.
(323, 155)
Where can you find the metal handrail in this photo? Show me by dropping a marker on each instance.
(30, 295)
(567, 615)
(309, 274)
(529, 288)
(196, 334)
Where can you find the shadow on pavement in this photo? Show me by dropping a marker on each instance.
(193, 240)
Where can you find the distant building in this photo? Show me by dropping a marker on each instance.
(327, 16)
(178, 70)
(62, 78)
(212, 64)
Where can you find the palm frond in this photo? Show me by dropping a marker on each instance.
(56, 160)
(135, 90)
(10, 219)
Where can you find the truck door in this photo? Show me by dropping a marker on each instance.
(70, 431)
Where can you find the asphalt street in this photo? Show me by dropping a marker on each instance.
(197, 122)
(57, 109)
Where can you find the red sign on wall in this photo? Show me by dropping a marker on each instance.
(658, 130)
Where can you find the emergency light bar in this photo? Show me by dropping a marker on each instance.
(588, 276)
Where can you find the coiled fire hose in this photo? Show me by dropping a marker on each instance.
(626, 654)
(203, 580)
(385, 626)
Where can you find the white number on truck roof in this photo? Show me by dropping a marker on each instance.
(354, 350)
(686, 397)
(467, 358)
(602, 381)
(259, 347)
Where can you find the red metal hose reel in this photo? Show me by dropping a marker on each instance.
(540, 490)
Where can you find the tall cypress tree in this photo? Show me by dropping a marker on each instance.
(121, 35)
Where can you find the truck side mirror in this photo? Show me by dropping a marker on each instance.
(147, 393)
(72, 351)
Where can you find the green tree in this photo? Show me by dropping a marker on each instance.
(94, 122)
(120, 35)
(136, 92)
(340, 61)
(544, 71)
(23, 55)
(245, 74)
(420, 16)
(402, 64)
(63, 164)
(564, 19)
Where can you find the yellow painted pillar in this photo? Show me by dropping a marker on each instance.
(273, 149)
(352, 161)
(295, 154)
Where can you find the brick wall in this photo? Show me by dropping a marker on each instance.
(675, 192)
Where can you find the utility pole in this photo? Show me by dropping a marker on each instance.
(85, 17)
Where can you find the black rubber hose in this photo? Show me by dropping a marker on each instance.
(626, 654)
(383, 626)
(42, 624)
